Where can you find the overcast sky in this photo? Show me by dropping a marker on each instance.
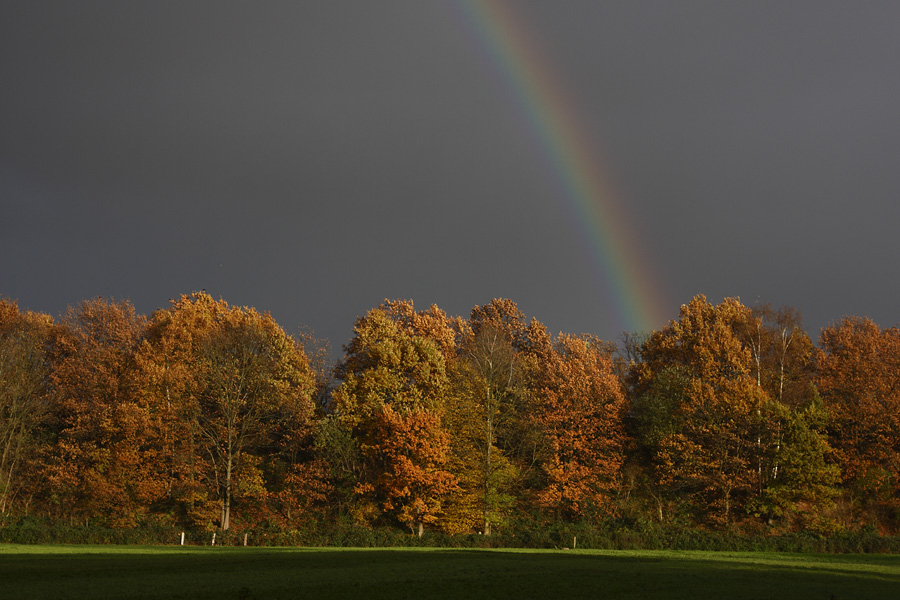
(313, 158)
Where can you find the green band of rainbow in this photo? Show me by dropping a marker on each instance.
(574, 160)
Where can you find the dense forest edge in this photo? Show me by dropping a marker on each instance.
(728, 429)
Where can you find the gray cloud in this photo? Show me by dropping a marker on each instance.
(312, 159)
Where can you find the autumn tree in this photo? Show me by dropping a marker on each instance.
(104, 463)
(229, 381)
(252, 377)
(24, 369)
(781, 352)
(432, 324)
(711, 453)
(709, 413)
(390, 398)
(580, 415)
(171, 384)
(301, 483)
(859, 379)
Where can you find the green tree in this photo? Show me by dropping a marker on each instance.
(799, 482)
(655, 418)
(488, 382)
(493, 427)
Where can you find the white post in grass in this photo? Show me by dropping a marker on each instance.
(214, 539)
(574, 541)
(245, 539)
(182, 538)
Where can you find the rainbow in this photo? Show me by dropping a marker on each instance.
(574, 159)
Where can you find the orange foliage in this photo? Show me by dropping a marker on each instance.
(105, 464)
(859, 378)
(710, 449)
(24, 340)
(581, 410)
(413, 453)
(390, 397)
(223, 379)
(432, 324)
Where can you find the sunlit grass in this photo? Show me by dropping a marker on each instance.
(203, 572)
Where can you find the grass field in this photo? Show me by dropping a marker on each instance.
(98, 572)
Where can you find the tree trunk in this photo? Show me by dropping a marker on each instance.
(226, 500)
(487, 460)
(226, 511)
(728, 505)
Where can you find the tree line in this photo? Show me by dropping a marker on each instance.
(205, 415)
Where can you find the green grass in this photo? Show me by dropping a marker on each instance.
(121, 572)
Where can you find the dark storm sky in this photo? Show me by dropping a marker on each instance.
(313, 158)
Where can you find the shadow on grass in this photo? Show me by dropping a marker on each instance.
(257, 573)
